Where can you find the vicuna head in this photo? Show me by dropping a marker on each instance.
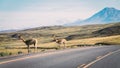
(16, 36)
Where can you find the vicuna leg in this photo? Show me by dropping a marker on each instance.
(35, 48)
(59, 45)
(64, 45)
(28, 49)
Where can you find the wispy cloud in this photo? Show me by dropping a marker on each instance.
(15, 14)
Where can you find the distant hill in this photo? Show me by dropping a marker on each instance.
(112, 30)
(106, 15)
(97, 31)
(68, 32)
(7, 31)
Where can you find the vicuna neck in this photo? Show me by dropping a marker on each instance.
(22, 39)
(54, 38)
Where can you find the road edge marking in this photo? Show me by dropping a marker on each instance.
(41, 55)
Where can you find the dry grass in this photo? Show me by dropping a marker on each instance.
(20, 46)
(92, 41)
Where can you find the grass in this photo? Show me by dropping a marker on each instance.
(92, 41)
(52, 45)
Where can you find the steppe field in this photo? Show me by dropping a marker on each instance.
(86, 35)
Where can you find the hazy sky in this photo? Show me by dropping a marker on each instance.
(16, 14)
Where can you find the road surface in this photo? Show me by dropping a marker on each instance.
(91, 57)
(112, 61)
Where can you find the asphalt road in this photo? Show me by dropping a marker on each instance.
(112, 61)
(69, 58)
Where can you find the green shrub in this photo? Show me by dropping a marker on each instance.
(20, 52)
(3, 54)
(10, 53)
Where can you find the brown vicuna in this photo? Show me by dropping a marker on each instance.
(28, 42)
(59, 41)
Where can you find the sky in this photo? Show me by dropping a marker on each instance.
(19, 14)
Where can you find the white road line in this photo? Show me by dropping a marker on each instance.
(81, 66)
(93, 62)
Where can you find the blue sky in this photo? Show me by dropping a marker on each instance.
(17, 14)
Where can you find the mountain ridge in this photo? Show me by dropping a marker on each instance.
(104, 16)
